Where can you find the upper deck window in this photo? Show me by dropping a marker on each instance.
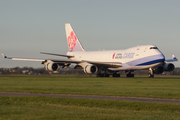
(153, 48)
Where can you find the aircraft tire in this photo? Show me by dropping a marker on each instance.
(151, 75)
(130, 75)
(106, 75)
(116, 75)
(98, 75)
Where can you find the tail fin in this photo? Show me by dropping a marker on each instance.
(73, 42)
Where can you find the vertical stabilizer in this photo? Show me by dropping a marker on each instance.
(72, 40)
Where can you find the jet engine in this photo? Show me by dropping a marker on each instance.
(90, 69)
(168, 67)
(159, 70)
(51, 66)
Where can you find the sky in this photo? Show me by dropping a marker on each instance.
(28, 27)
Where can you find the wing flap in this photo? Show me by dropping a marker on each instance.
(67, 61)
(56, 54)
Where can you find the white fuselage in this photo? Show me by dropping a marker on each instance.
(139, 57)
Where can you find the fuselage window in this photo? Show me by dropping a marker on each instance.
(153, 48)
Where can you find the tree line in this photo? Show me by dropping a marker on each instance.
(69, 70)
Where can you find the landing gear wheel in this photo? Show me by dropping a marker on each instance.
(130, 75)
(106, 75)
(97, 75)
(116, 75)
(151, 75)
(102, 75)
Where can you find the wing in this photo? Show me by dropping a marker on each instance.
(99, 64)
(104, 64)
(173, 59)
(63, 61)
(41, 60)
(24, 59)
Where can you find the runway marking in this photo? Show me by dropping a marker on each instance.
(94, 97)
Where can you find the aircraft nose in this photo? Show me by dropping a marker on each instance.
(162, 57)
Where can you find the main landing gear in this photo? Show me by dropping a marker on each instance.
(102, 75)
(151, 73)
(116, 74)
(129, 74)
(107, 74)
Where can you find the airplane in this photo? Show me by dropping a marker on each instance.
(107, 62)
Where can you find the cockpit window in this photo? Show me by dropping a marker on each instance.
(153, 48)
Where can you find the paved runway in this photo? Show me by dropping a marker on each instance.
(95, 97)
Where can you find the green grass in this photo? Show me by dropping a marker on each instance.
(13, 107)
(159, 87)
(72, 108)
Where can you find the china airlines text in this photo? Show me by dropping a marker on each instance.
(124, 56)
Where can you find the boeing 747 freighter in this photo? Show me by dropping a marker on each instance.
(107, 62)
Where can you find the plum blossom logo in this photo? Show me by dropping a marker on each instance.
(72, 40)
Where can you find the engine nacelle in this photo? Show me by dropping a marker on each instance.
(169, 67)
(159, 70)
(51, 66)
(90, 69)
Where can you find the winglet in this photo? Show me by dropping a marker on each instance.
(174, 57)
(4, 56)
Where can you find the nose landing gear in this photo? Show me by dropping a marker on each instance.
(151, 73)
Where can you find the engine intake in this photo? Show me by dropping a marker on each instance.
(52, 66)
(169, 67)
(90, 69)
(159, 70)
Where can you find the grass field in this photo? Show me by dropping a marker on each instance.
(12, 107)
(159, 87)
(72, 108)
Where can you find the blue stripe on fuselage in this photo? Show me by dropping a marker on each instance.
(147, 60)
(151, 62)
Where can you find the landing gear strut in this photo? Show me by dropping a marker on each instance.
(151, 73)
(116, 74)
(129, 74)
(105, 74)
(102, 75)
